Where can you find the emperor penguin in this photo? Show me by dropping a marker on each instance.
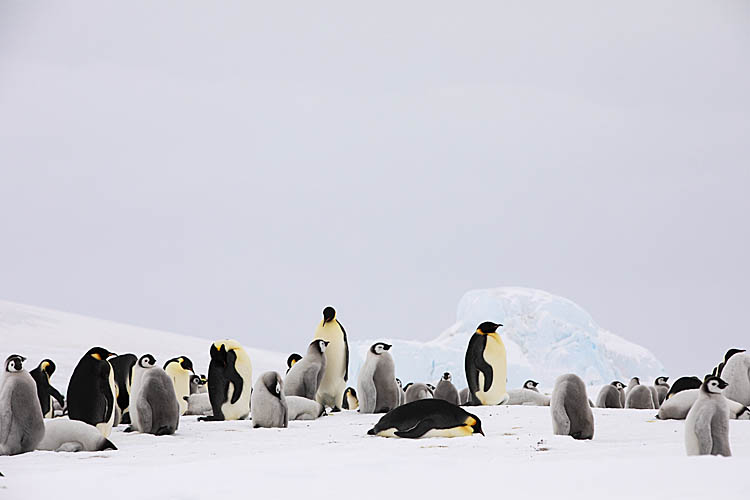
(376, 383)
(401, 392)
(154, 408)
(571, 413)
(446, 391)
(486, 366)
(662, 388)
(417, 391)
(44, 390)
(707, 422)
(303, 378)
(427, 418)
(633, 382)
(717, 371)
(527, 397)
(197, 385)
(269, 408)
(331, 390)
(611, 395)
(199, 404)
(230, 377)
(351, 402)
(122, 366)
(291, 360)
(180, 370)
(21, 420)
(464, 396)
(678, 406)
(639, 397)
(91, 391)
(531, 385)
(300, 408)
(684, 384)
(62, 434)
(736, 373)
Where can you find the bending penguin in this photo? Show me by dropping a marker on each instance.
(73, 435)
(180, 370)
(707, 423)
(427, 418)
(486, 366)
(331, 390)
(154, 409)
(303, 378)
(44, 390)
(122, 366)
(376, 383)
(351, 402)
(611, 395)
(21, 420)
(269, 408)
(571, 413)
(91, 391)
(230, 378)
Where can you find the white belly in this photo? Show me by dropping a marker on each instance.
(333, 385)
(494, 354)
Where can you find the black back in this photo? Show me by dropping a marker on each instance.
(123, 367)
(431, 413)
(474, 363)
(90, 397)
(221, 371)
(683, 384)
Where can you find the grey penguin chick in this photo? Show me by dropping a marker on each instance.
(21, 419)
(401, 391)
(300, 408)
(62, 434)
(416, 392)
(153, 406)
(678, 406)
(376, 384)
(571, 413)
(736, 373)
(611, 395)
(527, 397)
(633, 382)
(639, 398)
(707, 422)
(198, 385)
(304, 377)
(654, 397)
(199, 404)
(531, 385)
(446, 391)
(662, 388)
(464, 395)
(268, 406)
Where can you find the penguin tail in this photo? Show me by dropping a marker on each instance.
(107, 445)
(164, 430)
(372, 432)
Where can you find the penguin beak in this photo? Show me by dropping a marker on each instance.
(387, 346)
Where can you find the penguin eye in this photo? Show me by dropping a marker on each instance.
(278, 388)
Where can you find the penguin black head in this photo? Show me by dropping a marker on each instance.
(447, 376)
(218, 353)
(380, 348)
(195, 379)
(661, 381)
(732, 352)
(322, 345)
(350, 390)
(47, 366)
(146, 361)
(100, 353)
(14, 363)
(530, 384)
(637, 380)
(273, 383)
(618, 384)
(713, 384)
(488, 327)
(107, 445)
(431, 387)
(399, 383)
(476, 424)
(406, 387)
(329, 314)
(293, 358)
(183, 361)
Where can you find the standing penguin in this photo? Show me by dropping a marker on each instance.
(464, 396)
(154, 408)
(684, 384)
(197, 385)
(180, 370)
(291, 360)
(230, 377)
(44, 390)
(486, 366)
(376, 384)
(662, 388)
(639, 397)
(351, 402)
(531, 385)
(719, 369)
(611, 395)
(304, 376)
(269, 408)
(736, 373)
(331, 390)
(415, 392)
(707, 423)
(21, 420)
(571, 413)
(123, 369)
(91, 391)
(446, 391)
(633, 382)
(401, 392)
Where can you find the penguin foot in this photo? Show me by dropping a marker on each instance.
(335, 409)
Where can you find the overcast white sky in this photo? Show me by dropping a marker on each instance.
(228, 169)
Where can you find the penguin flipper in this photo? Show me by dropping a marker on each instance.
(475, 359)
(56, 394)
(233, 376)
(418, 430)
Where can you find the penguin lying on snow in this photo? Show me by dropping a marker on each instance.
(73, 435)
(684, 384)
(678, 406)
(300, 408)
(571, 413)
(707, 423)
(446, 391)
(41, 375)
(427, 418)
(527, 397)
(21, 421)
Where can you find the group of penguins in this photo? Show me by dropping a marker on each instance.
(107, 390)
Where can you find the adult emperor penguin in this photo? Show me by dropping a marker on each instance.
(122, 366)
(291, 360)
(303, 378)
(21, 420)
(531, 385)
(571, 413)
(639, 397)
(427, 418)
(91, 391)
(611, 395)
(376, 383)
(154, 409)
(331, 390)
(44, 390)
(707, 422)
(269, 408)
(736, 373)
(351, 402)
(300, 408)
(417, 391)
(230, 377)
(62, 434)
(678, 406)
(180, 370)
(486, 366)
(446, 391)
(684, 384)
